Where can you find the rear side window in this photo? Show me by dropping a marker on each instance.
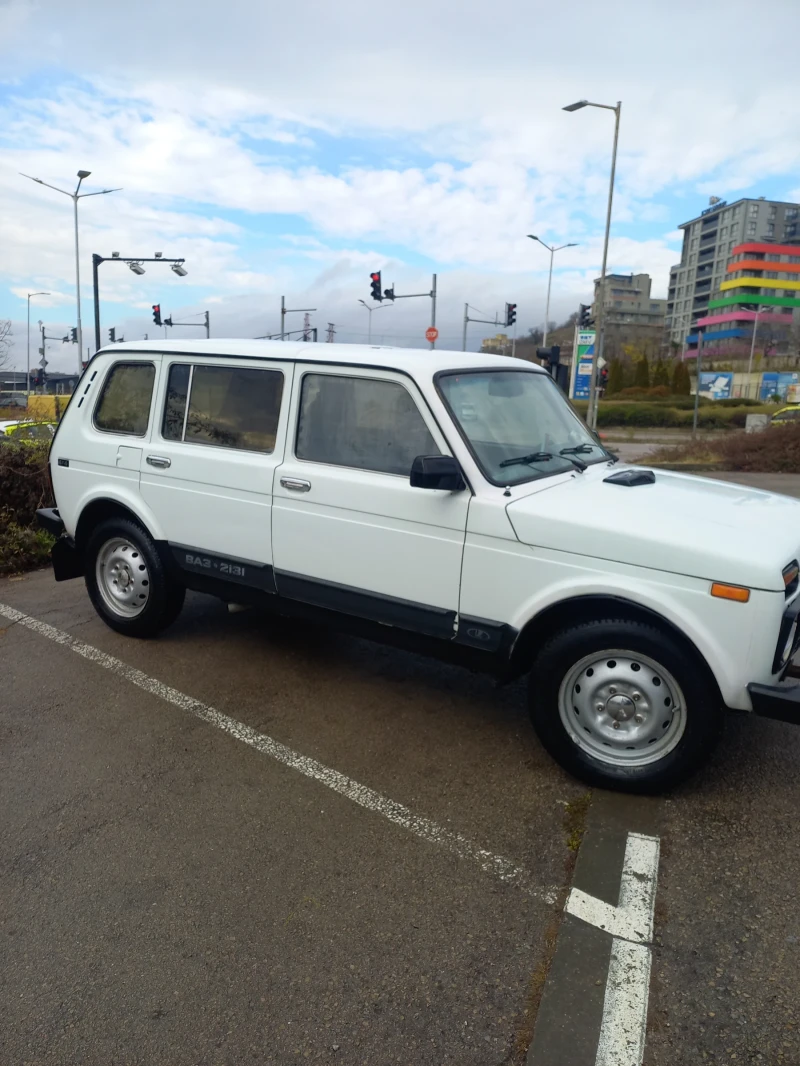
(227, 406)
(361, 422)
(124, 404)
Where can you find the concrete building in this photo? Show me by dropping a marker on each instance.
(761, 277)
(627, 301)
(708, 243)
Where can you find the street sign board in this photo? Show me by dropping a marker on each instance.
(582, 364)
(431, 333)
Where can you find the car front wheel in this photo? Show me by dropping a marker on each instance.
(623, 705)
(127, 582)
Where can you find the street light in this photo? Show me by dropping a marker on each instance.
(380, 307)
(176, 267)
(136, 268)
(552, 252)
(601, 325)
(28, 378)
(75, 196)
(759, 310)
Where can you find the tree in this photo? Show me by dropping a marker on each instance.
(616, 377)
(660, 373)
(641, 378)
(5, 340)
(681, 382)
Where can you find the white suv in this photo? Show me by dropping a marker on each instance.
(449, 500)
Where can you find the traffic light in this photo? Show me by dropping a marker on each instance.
(585, 320)
(112, 335)
(389, 293)
(511, 314)
(376, 286)
(73, 335)
(168, 321)
(157, 314)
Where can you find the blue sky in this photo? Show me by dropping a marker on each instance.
(348, 146)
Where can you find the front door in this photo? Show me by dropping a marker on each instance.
(349, 531)
(207, 470)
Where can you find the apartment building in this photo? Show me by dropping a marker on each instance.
(627, 301)
(708, 243)
(761, 279)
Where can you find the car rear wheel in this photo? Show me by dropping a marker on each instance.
(127, 582)
(623, 705)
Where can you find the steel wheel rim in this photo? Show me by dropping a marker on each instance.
(632, 690)
(123, 579)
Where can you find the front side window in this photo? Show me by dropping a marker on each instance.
(361, 422)
(227, 406)
(517, 424)
(124, 404)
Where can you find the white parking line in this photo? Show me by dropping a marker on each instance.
(624, 1027)
(424, 828)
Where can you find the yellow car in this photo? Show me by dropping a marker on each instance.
(22, 432)
(786, 415)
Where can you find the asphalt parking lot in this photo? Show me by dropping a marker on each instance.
(253, 841)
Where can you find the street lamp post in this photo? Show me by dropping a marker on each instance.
(28, 378)
(135, 264)
(753, 344)
(552, 252)
(75, 196)
(601, 315)
(380, 307)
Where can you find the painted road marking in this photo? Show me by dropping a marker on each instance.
(424, 828)
(624, 1027)
(632, 918)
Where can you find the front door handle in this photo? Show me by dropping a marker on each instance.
(159, 460)
(296, 484)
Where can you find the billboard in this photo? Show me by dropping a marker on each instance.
(715, 385)
(582, 364)
(774, 383)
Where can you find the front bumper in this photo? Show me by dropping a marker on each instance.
(776, 701)
(66, 559)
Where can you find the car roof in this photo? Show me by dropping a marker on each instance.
(413, 361)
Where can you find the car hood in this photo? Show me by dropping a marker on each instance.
(682, 524)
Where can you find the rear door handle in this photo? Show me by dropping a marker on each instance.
(159, 460)
(296, 484)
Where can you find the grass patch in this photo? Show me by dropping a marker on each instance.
(575, 820)
(674, 414)
(775, 450)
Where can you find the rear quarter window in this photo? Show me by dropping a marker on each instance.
(124, 404)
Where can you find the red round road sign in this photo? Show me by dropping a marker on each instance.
(431, 333)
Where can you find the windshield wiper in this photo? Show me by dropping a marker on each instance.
(579, 449)
(542, 457)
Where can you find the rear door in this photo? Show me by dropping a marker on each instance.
(349, 531)
(208, 467)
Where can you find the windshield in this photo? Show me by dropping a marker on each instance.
(518, 424)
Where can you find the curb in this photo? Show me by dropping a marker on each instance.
(571, 1012)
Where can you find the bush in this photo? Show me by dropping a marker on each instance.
(24, 487)
(775, 450)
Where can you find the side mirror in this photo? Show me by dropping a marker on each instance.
(437, 472)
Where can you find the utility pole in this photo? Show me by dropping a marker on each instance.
(290, 311)
(331, 333)
(486, 321)
(433, 308)
(208, 327)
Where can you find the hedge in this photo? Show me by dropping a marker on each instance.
(677, 416)
(24, 487)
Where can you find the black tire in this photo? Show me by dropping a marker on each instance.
(164, 596)
(703, 711)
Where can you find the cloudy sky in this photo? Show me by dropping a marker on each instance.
(292, 148)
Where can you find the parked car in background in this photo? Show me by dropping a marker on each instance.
(23, 431)
(787, 415)
(13, 399)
